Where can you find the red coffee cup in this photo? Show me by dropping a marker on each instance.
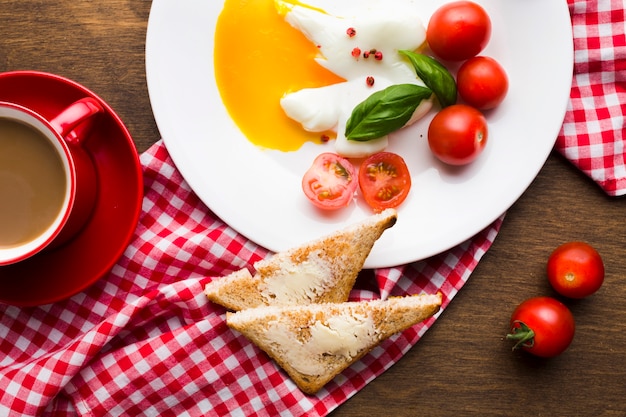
(48, 181)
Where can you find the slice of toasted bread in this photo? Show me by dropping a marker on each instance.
(323, 270)
(314, 343)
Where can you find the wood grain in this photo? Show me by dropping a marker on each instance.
(462, 366)
(99, 44)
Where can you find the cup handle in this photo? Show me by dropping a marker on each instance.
(75, 121)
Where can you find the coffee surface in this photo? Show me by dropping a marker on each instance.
(32, 183)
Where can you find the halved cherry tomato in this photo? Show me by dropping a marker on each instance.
(542, 326)
(575, 270)
(330, 182)
(482, 82)
(458, 30)
(384, 180)
(457, 134)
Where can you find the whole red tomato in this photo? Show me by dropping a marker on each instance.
(575, 270)
(457, 134)
(458, 30)
(542, 326)
(482, 82)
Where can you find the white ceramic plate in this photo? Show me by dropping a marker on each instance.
(258, 192)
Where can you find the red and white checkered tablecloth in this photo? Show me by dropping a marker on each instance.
(144, 340)
(593, 133)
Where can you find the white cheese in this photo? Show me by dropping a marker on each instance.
(384, 29)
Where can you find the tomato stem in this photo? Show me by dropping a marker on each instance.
(523, 335)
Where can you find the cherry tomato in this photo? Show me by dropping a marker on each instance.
(575, 270)
(542, 326)
(330, 182)
(458, 30)
(384, 180)
(458, 134)
(482, 82)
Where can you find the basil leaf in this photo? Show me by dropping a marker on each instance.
(435, 76)
(385, 111)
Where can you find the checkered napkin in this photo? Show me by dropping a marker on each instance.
(144, 340)
(592, 137)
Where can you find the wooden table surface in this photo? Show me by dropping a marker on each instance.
(462, 366)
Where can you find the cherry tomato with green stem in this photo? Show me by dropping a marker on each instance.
(542, 326)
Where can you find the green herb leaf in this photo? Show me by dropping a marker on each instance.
(385, 111)
(435, 76)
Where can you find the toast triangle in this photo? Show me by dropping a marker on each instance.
(321, 271)
(316, 342)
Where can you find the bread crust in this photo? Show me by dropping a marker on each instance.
(385, 318)
(234, 291)
(295, 306)
(333, 263)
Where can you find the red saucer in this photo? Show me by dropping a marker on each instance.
(57, 274)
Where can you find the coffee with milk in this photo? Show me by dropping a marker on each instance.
(32, 183)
